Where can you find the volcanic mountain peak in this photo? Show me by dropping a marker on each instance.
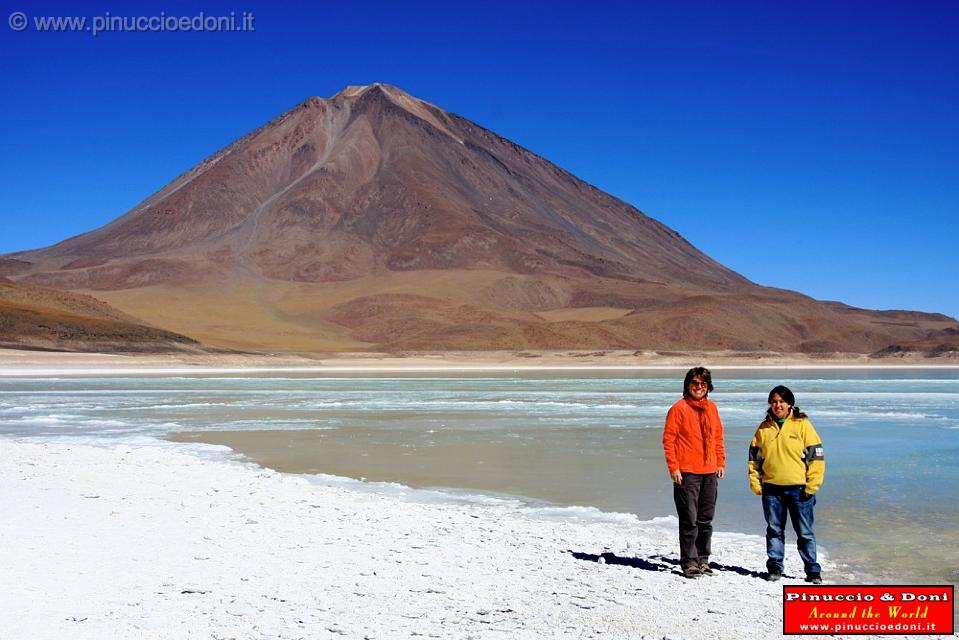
(374, 218)
(368, 182)
(423, 110)
(356, 90)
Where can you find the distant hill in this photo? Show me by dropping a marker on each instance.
(375, 220)
(38, 318)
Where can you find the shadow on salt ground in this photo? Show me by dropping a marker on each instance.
(659, 563)
(612, 558)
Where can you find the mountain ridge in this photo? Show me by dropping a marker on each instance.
(306, 226)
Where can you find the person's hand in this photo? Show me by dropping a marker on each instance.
(677, 476)
(804, 497)
(721, 473)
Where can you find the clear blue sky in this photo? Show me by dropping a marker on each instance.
(807, 145)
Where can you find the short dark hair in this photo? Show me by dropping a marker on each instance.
(698, 372)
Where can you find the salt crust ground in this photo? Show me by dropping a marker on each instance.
(35, 363)
(158, 542)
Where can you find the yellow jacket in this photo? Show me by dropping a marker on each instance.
(790, 455)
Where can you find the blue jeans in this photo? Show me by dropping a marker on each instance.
(777, 501)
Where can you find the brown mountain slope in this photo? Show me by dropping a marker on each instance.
(374, 219)
(38, 318)
(370, 181)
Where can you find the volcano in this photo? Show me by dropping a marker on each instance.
(376, 220)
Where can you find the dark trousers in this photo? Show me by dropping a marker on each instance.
(695, 505)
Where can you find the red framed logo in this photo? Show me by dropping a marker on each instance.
(869, 610)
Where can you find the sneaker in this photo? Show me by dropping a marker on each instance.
(814, 578)
(705, 569)
(774, 574)
(692, 571)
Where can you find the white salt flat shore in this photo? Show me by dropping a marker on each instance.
(161, 542)
(15, 362)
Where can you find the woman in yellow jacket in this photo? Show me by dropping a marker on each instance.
(786, 467)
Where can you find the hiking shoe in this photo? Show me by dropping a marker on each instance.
(814, 578)
(774, 574)
(692, 571)
(705, 569)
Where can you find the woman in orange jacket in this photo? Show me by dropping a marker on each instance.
(696, 459)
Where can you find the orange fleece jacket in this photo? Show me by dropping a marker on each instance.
(684, 439)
